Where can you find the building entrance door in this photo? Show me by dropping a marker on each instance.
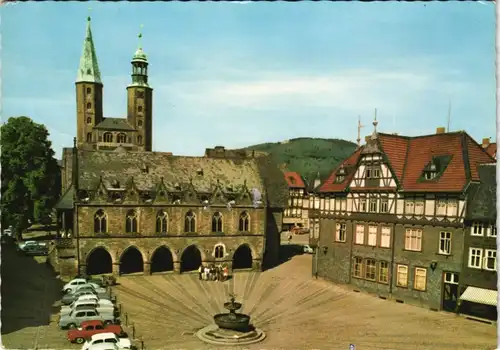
(450, 291)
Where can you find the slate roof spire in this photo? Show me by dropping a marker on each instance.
(88, 71)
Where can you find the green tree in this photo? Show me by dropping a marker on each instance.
(30, 174)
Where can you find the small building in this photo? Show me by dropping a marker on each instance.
(490, 147)
(478, 291)
(295, 214)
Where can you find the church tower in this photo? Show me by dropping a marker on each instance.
(88, 93)
(140, 101)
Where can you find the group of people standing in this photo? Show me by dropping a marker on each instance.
(213, 273)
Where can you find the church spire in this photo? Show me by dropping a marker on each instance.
(88, 71)
(140, 66)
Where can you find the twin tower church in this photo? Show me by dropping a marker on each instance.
(96, 132)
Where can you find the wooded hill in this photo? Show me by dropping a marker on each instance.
(308, 156)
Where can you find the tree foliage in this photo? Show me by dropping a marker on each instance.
(30, 173)
(308, 156)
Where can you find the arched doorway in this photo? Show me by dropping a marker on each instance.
(131, 261)
(99, 262)
(190, 259)
(242, 257)
(162, 260)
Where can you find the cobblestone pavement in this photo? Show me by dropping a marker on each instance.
(296, 312)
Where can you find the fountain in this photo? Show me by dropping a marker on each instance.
(231, 328)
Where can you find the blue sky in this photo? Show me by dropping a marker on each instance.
(240, 74)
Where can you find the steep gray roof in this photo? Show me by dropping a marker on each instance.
(120, 124)
(88, 71)
(482, 202)
(148, 169)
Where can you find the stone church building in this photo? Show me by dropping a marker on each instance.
(126, 209)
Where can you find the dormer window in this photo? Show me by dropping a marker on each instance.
(435, 167)
(339, 178)
(292, 180)
(372, 173)
(430, 175)
(341, 174)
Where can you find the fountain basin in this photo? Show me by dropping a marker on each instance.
(233, 321)
(232, 306)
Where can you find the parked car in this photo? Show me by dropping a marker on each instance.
(75, 318)
(93, 297)
(21, 246)
(35, 250)
(90, 328)
(86, 304)
(123, 343)
(104, 346)
(308, 249)
(69, 298)
(72, 285)
(90, 288)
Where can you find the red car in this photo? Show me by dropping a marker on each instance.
(89, 328)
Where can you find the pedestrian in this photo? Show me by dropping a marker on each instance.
(225, 273)
(290, 238)
(206, 272)
(200, 272)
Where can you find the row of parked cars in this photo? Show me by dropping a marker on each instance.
(91, 316)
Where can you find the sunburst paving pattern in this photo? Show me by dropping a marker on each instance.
(295, 310)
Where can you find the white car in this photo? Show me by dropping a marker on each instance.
(308, 249)
(104, 346)
(102, 338)
(22, 245)
(99, 306)
(94, 298)
(71, 286)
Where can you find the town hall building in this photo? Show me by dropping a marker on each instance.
(126, 209)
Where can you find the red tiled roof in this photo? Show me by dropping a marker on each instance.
(294, 180)
(350, 165)
(408, 156)
(491, 149)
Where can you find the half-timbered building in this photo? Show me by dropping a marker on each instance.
(391, 215)
(296, 212)
(478, 283)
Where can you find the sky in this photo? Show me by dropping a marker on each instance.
(238, 74)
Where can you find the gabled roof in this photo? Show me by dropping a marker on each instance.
(294, 180)
(66, 200)
(483, 195)
(457, 153)
(120, 124)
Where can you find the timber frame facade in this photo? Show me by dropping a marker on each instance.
(390, 219)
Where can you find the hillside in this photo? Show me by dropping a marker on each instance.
(307, 156)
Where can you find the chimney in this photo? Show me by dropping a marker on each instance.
(440, 130)
(486, 142)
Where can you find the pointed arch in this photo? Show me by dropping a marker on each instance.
(131, 221)
(107, 137)
(99, 261)
(161, 222)
(242, 257)
(190, 222)
(89, 134)
(139, 140)
(191, 258)
(131, 260)
(219, 251)
(217, 222)
(162, 260)
(100, 222)
(244, 222)
(121, 138)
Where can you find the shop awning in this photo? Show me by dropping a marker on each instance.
(480, 296)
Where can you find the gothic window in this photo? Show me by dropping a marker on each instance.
(108, 137)
(89, 91)
(219, 251)
(139, 140)
(139, 109)
(89, 120)
(244, 222)
(217, 222)
(89, 105)
(140, 94)
(131, 222)
(89, 137)
(100, 221)
(121, 138)
(190, 222)
(161, 222)
(139, 123)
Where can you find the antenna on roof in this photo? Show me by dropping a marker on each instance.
(449, 116)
